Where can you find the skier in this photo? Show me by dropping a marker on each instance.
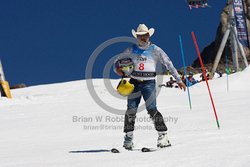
(145, 55)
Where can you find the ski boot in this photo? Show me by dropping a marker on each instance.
(128, 141)
(162, 140)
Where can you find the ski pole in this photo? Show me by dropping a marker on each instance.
(204, 74)
(185, 72)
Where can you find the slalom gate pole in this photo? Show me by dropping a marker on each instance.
(227, 71)
(204, 74)
(185, 71)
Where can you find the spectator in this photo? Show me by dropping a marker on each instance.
(191, 80)
(170, 82)
(202, 76)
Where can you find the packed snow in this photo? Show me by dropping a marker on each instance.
(61, 125)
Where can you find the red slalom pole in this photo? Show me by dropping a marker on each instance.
(204, 74)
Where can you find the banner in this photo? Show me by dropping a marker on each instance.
(240, 21)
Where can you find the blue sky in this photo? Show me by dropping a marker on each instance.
(50, 41)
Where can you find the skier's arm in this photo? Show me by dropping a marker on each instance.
(165, 60)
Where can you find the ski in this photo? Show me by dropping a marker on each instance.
(116, 150)
(143, 149)
(146, 149)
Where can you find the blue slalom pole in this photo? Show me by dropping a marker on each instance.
(185, 72)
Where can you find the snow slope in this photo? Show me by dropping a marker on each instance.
(39, 127)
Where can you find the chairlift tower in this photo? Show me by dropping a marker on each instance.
(2, 77)
(235, 44)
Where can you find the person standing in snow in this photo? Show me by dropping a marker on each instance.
(145, 56)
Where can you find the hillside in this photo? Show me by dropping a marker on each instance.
(39, 127)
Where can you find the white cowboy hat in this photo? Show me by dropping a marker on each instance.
(142, 29)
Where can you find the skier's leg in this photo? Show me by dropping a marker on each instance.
(148, 92)
(130, 115)
(149, 95)
(161, 127)
(158, 120)
(129, 122)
